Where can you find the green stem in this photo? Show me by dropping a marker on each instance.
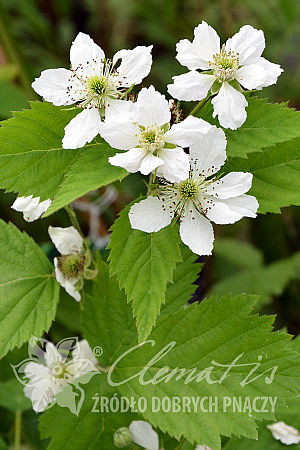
(200, 105)
(127, 92)
(74, 219)
(18, 430)
(13, 54)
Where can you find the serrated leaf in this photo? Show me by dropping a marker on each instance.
(276, 175)
(90, 430)
(143, 264)
(216, 330)
(29, 292)
(181, 290)
(267, 124)
(33, 162)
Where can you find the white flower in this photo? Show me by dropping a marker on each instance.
(31, 207)
(143, 128)
(284, 433)
(238, 61)
(222, 201)
(69, 266)
(53, 371)
(144, 435)
(94, 83)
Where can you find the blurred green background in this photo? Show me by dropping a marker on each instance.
(259, 256)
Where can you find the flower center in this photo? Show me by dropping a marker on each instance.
(152, 139)
(188, 189)
(97, 85)
(72, 266)
(224, 64)
(59, 371)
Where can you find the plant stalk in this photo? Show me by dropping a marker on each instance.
(18, 430)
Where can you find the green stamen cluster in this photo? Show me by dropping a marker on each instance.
(224, 64)
(152, 139)
(188, 189)
(72, 266)
(97, 85)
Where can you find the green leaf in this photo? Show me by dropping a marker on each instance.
(144, 264)
(276, 175)
(33, 162)
(29, 292)
(90, 430)
(267, 124)
(181, 290)
(216, 330)
(3, 445)
(12, 396)
(256, 278)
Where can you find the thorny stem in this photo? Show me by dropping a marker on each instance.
(18, 430)
(200, 105)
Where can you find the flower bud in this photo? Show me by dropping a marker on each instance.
(122, 437)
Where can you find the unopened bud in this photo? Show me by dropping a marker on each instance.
(122, 437)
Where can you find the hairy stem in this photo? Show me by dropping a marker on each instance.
(18, 430)
(200, 105)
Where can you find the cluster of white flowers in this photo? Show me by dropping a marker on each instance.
(181, 157)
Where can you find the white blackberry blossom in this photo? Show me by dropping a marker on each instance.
(93, 83)
(31, 207)
(238, 63)
(69, 266)
(143, 128)
(284, 433)
(201, 198)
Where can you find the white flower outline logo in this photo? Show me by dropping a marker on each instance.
(53, 373)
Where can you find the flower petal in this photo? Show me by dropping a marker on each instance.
(66, 240)
(31, 208)
(82, 129)
(176, 164)
(197, 54)
(86, 57)
(208, 154)
(232, 185)
(149, 215)
(69, 285)
(131, 160)
(231, 210)
(196, 231)
(150, 163)
(120, 110)
(187, 132)
(84, 351)
(144, 435)
(135, 64)
(249, 43)
(152, 108)
(122, 134)
(57, 86)
(229, 106)
(51, 355)
(251, 76)
(261, 74)
(191, 86)
(284, 433)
